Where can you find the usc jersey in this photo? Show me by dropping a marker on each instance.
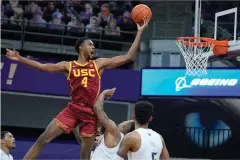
(84, 81)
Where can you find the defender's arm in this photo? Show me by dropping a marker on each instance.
(108, 124)
(125, 146)
(164, 154)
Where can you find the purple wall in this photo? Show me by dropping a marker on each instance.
(61, 149)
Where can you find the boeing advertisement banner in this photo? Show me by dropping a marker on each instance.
(17, 77)
(174, 83)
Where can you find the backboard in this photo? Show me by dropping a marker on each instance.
(220, 20)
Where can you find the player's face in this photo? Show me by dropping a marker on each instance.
(89, 49)
(97, 140)
(9, 141)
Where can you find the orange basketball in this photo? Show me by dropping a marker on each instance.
(140, 11)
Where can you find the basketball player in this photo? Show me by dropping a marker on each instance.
(7, 144)
(84, 79)
(111, 136)
(143, 143)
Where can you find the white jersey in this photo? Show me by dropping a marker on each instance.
(102, 152)
(151, 146)
(4, 156)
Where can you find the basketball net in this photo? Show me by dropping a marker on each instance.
(193, 53)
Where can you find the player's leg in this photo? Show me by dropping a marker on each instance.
(86, 147)
(63, 123)
(52, 131)
(88, 128)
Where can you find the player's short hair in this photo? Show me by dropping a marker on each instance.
(132, 128)
(105, 5)
(3, 134)
(143, 110)
(102, 130)
(79, 42)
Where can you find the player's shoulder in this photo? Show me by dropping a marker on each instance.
(101, 62)
(132, 136)
(10, 157)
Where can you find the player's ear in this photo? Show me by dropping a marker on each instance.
(80, 47)
(150, 118)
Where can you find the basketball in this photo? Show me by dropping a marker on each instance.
(139, 12)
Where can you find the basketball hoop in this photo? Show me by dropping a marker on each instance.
(197, 50)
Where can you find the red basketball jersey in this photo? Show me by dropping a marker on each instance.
(84, 81)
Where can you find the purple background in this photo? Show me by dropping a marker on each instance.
(58, 149)
(30, 80)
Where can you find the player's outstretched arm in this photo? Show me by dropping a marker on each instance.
(61, 67)
(125, 146)
(103, 119)
(164, 154)
(120, 60)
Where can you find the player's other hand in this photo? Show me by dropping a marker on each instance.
(108, 93)
(13, 55)
(145, 24)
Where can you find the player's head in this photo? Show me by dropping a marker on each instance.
(143, 112)
(98, 136)
(86, 47)
(7, 140)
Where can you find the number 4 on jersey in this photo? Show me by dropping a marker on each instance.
(154, 156)
(85, 81)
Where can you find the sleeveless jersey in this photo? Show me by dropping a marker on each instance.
(102, 152)
(151, 146)
(84, 81)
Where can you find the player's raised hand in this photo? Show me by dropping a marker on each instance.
(13, 55)
(145, 24)
(108, 93)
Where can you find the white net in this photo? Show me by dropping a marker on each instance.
(195, 55)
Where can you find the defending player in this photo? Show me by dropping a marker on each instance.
(143, 143)
(84, 79)
(111, 136)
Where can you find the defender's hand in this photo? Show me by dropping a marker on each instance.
(145, 24)
(13, 55)
(108, 93)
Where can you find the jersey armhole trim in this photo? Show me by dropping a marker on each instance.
(141, 146)
(95, 65)
(69, 71)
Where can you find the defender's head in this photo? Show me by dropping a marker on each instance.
(7, 140)
(99, 135)
(86, 47)
(143, 112)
